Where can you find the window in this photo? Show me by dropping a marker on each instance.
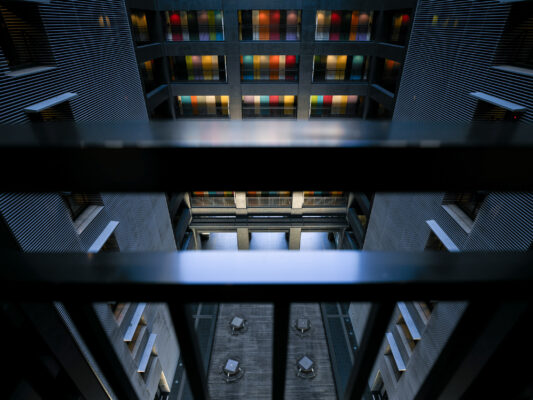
(274, 68)
(390, 74)
(340, 68)
(198, 68)
(397, 24)
(516, 46)
(203, 25)
(269, 24)
(110, 244)
(434, 243)
(77, 203)
(203, 106)
(469, 203)
(343, 25)
(22, 36)
(268, 106)
(151, 74)
(486, 111)
(59, 112)
(337, 106)
(140, 26)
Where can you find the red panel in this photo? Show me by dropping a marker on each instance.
(175, 19)
(274, 24)
(273, 101)
(328, 100)
(335, 25)
(290, 64)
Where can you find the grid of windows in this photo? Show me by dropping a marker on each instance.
(400, 27)
(203, 106)
(343, 25)
(338, 106)
(339, 68)
(268, 106)
(181, 65)
(139, 26)
(273, 68)
(269, 24)
(389, 75)
(198, 68)
(516, 47)
(149, 78)
(203, 25)
(22, 37)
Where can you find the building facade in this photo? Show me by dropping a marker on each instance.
(452, 76)
(75, 61)
(291, 59)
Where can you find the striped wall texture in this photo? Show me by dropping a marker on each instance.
(91, 48)
(96, 62)
(454, 56)
(452, 49)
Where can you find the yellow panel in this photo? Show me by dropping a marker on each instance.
(341, 67)
(224, 100)
(207, 67)
(344, 101)
(331, 66)
(288, 104)
(257, 67)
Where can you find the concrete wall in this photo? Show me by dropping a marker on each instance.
(444, 63)
(98, 64)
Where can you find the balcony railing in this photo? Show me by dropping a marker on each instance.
(336, 201)
(212, 202)
(268, 201)
(179, 278)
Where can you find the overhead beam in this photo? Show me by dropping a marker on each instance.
(143, 156)
(262, 275)
(212, 224)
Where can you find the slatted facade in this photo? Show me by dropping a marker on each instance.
(453, 49)
(91, 49)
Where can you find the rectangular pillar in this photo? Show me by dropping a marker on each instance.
(295, 235)
(297, 203)
(243, 239)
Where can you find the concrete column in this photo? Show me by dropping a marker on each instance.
(233, 59)
(295, 235)
(240, 203)
(306, 59)
(243, 239)
(297, 203)
(159, 37)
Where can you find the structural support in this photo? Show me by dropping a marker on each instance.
(295, 235)
(182, 225)
(297, 203)
(240, 203)
(243, 238)
(357, 228)
(281, 337)
(365, 357)
(99, 344)
(181, 314)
